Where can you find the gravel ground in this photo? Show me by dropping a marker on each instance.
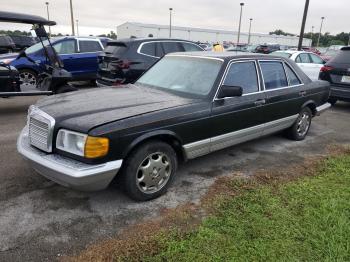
(41, 221)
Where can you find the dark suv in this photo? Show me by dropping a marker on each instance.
(22, 42)
(337, 72)
(124, 61)
(267, 49)
(6, 44)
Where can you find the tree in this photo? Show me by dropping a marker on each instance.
(281, 32)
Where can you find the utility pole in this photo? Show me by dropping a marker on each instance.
(301, 37)
(250, 29)
(319, 36)
(48, 15)
(240, 22)
(170, 24)
(312, 35)
(72, 17)
(77, 21)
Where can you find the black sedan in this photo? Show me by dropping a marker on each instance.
(337, 72)
(187, 105)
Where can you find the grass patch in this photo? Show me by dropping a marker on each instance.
(303, 220)
(300, 213)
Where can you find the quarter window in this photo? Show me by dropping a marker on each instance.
(293, 79)
(149, 49)
(89, 46)
(274, 75)
(244, 75)
(191, 47)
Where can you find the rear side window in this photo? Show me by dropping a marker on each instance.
(89, 46)
(244, 75)
(303, 58)
(293, 79)
(191, 47)
(66, 47)
(172, 47)
(274, 75)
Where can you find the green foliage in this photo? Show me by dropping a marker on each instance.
(14, 33)
(281, 32)
(111, 35)
(304, 220)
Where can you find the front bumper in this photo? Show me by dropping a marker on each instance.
(321, 109)
(65, 171)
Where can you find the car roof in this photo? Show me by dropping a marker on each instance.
(292, 52)
(226, 55)
(139, 40)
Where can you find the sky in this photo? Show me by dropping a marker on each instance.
(98, 17)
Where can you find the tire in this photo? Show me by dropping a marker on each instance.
(149, 170)
(332, 101)
(28, 79)
(66, 89)
(302, 125)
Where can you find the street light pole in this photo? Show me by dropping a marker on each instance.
(319, 36)
(240, 22)
(72, 17)
(250, 29)
(77, 21)
(312, 35)
(302, 30)
(170, 24)
(48, 15)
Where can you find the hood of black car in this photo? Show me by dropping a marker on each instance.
(83, 110)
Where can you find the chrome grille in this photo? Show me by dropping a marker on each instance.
(40, 129)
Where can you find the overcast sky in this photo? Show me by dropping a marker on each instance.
(101, 16)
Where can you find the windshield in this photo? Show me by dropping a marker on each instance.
(35, 48)
(181, 74)
(282, 54)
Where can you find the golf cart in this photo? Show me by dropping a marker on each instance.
(54, 80)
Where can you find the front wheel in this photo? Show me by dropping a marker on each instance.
(28, 79)
(149, 171)
(301, 126)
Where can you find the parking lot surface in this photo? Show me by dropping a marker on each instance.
(40, 220)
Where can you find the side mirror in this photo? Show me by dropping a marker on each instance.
(230, 91)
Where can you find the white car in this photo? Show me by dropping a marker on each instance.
(309, 62)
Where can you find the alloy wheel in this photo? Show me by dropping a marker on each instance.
(27, 79)
(153, 173)
(303, 124)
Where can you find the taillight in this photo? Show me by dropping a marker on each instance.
(326, 68)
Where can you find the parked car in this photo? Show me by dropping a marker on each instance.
(186, 106)
(23, 42)
(311, 49)
(309, 62)
(206, 46)
(6, 44)
(337, 72)
(238, 48)
(124, 61)
(78, 54)
(9, 79)
(331, 52)
(267, 48)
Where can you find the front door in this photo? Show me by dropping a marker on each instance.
(238, 119)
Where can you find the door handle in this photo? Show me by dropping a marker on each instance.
(260, 102)
(302, 93)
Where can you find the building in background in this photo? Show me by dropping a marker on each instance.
(139, 30)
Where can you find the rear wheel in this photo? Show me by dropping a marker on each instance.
(149, 170)
(301, 126)
(28, 79)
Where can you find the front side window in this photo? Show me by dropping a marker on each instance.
(244, 75)
(86, 46)
(189, 76)
(274, 75)
(293, 78)
(191, 47)
(65, 47)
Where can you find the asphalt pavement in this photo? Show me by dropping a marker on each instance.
(40, 220)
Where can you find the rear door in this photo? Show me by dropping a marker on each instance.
(317, 64)
(305, 63)
(86, 59)
(285, 94)
(238, 119)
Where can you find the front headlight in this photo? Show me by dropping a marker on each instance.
(82, 144)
